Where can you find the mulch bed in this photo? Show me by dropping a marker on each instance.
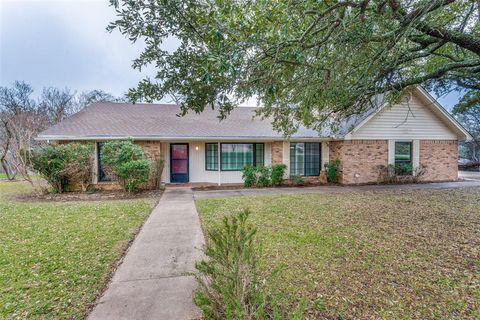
(240, 186)
(88, 196)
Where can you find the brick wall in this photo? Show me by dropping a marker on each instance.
(277, 152)
(360, 159)
(152, 149)
(440, 159)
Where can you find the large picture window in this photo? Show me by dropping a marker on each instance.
(211, 156)
(234, 156)
(305, 159)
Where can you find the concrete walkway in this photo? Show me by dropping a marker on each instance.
(152, 281)
(331, 189)
(469, 175)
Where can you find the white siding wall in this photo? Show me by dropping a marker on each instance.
(197, 170)
(402, 122)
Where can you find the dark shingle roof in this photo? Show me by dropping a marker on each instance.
(143, 121)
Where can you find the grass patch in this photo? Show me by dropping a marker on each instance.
(55, 258)
(393, 254)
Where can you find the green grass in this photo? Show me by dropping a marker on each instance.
(55, 258)
(393, 254)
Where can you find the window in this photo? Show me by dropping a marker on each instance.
(211, 156)
(102, 175)
(234, 156)
(403, 152)
(305, 159)
(403, 158)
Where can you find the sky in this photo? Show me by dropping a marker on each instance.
(64, 43)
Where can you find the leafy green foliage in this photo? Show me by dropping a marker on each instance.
(133, 173)
(403, 169)
(230, 286)
(308, 62)
(126, 161)
(264, 176)
(277, 174)
(249, 176)
(297, 180)
(64, 165)
(331, 169)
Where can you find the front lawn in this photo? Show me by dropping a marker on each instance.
(55, 258)
(412, 254)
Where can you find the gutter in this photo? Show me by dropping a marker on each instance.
(168, 139)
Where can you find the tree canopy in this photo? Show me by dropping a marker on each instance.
(306, 61)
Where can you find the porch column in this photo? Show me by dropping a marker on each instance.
(219, 165)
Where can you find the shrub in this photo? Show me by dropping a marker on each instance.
(125, 160)
(403, 169)
(263, 176)
(133, 173)
(249, 176)
(400, 173)
(156, 173)
(277, 173)
(64, 165)
(331, 169)
(229, 282)
(297, 180)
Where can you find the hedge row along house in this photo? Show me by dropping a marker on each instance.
(198, 148)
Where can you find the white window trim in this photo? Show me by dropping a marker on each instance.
(415, 152)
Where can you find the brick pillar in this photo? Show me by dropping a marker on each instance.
(277, 152)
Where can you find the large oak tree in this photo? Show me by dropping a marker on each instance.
(307, 61)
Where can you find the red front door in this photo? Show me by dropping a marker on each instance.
(179, 162)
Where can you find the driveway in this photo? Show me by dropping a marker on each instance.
(153, 281)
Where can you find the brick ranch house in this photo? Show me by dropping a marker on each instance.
(198, 148)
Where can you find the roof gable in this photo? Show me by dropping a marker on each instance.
(419, 118)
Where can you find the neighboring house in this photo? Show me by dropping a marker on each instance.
(200, 148)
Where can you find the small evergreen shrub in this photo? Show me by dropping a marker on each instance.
(297, 180)
(249, 176)
(331, 169)
(64, 165)
(126, 161)
(230, 286)
(403, 169)
(277, 174)
(263, 176)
